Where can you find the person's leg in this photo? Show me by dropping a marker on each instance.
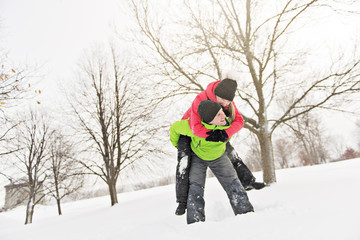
(226, 174)
(196, 202)
(238, 198)
(182, 173)
(245, 176)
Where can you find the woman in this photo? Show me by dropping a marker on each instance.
(222, 92)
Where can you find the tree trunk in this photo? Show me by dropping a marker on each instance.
(57, 195)
(267, 156)
(29, 210)
(58, 206)
(113, 194)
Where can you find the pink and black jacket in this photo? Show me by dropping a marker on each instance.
(195, 121)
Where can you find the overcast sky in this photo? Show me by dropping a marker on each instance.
(52, 34)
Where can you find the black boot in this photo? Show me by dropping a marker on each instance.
(180, 210)
(255, 185)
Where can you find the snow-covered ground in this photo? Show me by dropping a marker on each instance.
(319, 202)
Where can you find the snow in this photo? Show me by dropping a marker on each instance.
(318, 202)
(183, 164)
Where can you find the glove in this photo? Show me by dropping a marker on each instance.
(217, 136)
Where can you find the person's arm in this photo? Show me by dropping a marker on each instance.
(179, 128)
(196, 126)
(237, 124)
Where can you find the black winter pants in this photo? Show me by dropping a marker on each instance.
(245, 176)
(183, 168)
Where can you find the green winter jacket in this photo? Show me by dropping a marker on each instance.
(203, 149)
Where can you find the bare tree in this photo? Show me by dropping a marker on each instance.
(253, 158)
(283, 149)
(32, 141)
(5, 138)
(11, 88)
(309, 134)
(349, 154)
(14, 86)
(65, 175)
(256, 44)
(114, 114)
(358, 133)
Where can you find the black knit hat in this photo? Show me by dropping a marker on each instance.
(207, 110)
(226, 89)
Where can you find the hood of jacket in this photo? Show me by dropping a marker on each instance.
(210, 91)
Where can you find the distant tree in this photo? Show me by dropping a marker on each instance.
(310, 137)
(283, 149)
(113, 112)
(253, 158)
(304, 158)
(65, 175)
(358, 133)
(350, 153)
(197, 40)
(32, 139)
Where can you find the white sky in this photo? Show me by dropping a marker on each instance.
(52, 34)
(56, 29)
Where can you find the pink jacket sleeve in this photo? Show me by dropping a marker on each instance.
(237, 124)
(195, 120)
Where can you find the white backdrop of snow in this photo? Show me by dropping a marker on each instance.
(318, 202)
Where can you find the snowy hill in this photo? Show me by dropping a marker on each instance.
(319, 202)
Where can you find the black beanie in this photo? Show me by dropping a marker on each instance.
(208, 109)
(226, 89)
